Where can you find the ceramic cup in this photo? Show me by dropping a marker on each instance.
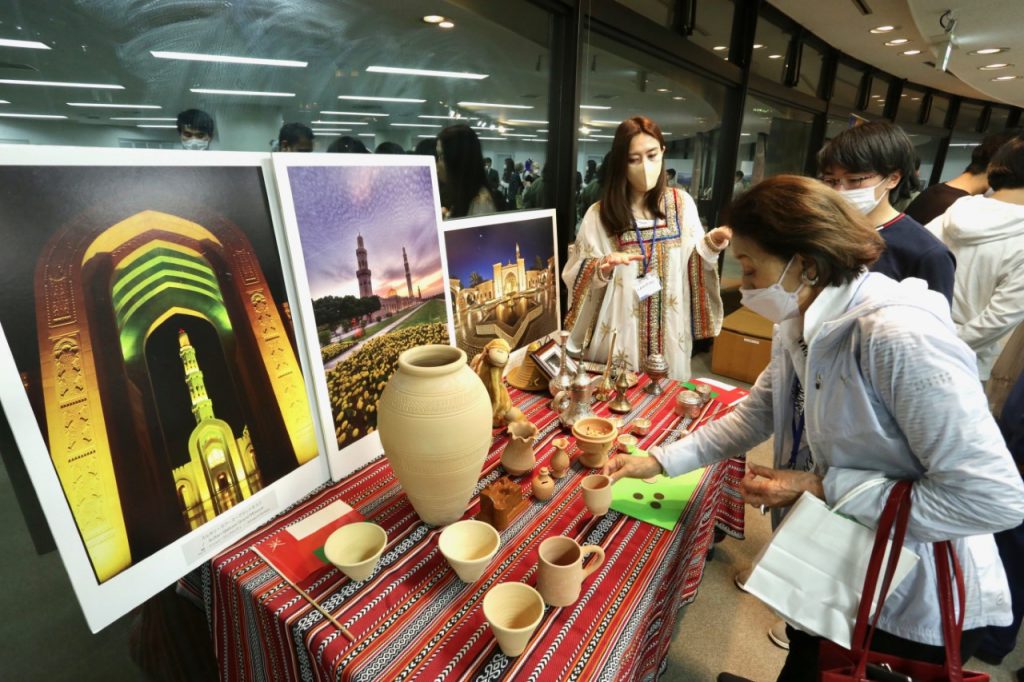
(626, 441)
(560, 574)
(469, 547)
(513, 611)
(597, 493)
(355, 548)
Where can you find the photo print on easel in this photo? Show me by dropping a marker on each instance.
(362, 233)
(150, 369)
(502, 275)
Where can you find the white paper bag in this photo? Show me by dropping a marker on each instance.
(812, 572)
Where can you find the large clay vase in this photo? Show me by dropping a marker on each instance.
(434, 419)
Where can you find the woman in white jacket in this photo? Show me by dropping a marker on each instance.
(986, 235)
(867, 380)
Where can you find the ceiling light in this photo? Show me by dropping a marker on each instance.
(28, 44)
(1005, 78)
(367, 134)
(433, 18)
(492, 105)
(416, 125)
(351, 113)
(442, 117)
(663, 133)
(526, 121)
(587, 139)
(537, 140)
(426, 72)
(990, 50)
(333, 130)
(340, 123)
(62, 84)
(594, 106)
(601, 122)
(585, 130)
(605, 137)
(226, 59)
(155, 125)
(43, 116)
(94, 105)
(744, 134)
(496, 139)
(517, 135)
(141, 118)
(663, 90)
(758, 46)
(360, 98)
(544, 130)
(914, 99)
(251, 93)
(883, 29)
(679, 99)
(446, 24)
(3, 101)
(910, 53)
(719, 48)
(775, 56)
(427, 137)
(897, 41)
(993, 67)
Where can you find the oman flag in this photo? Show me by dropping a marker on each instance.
(298, 550)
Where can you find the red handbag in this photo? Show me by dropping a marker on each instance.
(859, 663)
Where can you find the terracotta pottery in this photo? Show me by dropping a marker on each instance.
(626, 441)
(469, 547)
(597, 493)
(594, 438)
(514, 611)
(641, 426)
(355, 548)
(434, 419)
(543, 485)
(560, 459)
(560, 572)
(518, 457)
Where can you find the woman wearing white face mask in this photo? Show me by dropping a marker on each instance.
(643, 266)
(868, 380)
(871, 165)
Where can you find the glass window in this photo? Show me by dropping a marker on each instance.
(940, 107)
(622, 82)
(811, 62)
(926, 146)
(910, 105)
(967, 118)
(770, 46)
(879, 90)
(779, 135)
(958, 157)
(659, 11)
(846, 86)
(998, 119)
(713, 29)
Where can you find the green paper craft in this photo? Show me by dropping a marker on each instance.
(674, 495)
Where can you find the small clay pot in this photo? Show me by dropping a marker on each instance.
(543, 485)
(560, 460)
(518, 457)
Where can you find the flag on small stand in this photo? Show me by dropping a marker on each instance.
(298, 550)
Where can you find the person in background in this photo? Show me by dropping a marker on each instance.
(460, 170)
(871, 165)
(389, 148)
(643, 266)
(295, 137)
(195, 129)
(493, 181)
(592, 192)
(867, 382)
(426, 147)
(346, 144)
(934, 201)
(533, 195)
(513, 184)
(986, 235)
(738, 186)
(914, 188)
(670, 176)
(591, 173)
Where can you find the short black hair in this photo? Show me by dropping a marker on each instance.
(487, 160)
(389, 148)
(197, 119)
(875, 147)
(1006, 171)
(671, 172)
(346, 144)
(426, 147)
(293, 132)
(739, 175)
(983, 153)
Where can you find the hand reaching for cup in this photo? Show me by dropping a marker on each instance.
(631, 466)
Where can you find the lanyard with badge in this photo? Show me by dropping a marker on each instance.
(648, 283)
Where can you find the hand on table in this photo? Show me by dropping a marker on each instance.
(608, 263)
(632, 466)
(778, 487)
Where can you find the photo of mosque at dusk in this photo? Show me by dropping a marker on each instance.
(153, 335)
(503, 280)
(373, 264)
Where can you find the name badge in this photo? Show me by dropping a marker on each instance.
(647, 286)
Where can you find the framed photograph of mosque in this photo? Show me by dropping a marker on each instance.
(362, 233)
(149, 367)
(502, 276)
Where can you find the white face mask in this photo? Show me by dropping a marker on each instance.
(863, 199)
(644, 177)
(195, 144)
(773, 302)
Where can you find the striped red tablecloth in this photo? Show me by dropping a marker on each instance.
(415, 619)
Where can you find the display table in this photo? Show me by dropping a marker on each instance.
(415, 619)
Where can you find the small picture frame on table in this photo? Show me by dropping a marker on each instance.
(549, 357)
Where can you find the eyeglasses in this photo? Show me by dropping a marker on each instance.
(848, 183)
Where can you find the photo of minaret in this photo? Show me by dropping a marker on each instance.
(363, 273)
(408, 277)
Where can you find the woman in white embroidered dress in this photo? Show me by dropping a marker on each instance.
(642, 265)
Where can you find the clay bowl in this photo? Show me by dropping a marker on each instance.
(626, 441)
(594, 437)
(641, 426)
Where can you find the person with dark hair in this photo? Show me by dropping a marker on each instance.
(592, 192)
(389, 148)
(871, 166)
(533, 195)
(346, 144)
(642, 266)
(295, 137)
(738, 186)
(426, 147)
(914, 189)
(493, 181)
(670, 177)
(986, 234)
(935, 200)
(591, 173)
(513, 184)
(460, 170)
(867, 384)
(195, 129)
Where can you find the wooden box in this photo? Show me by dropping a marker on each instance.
(744, 348)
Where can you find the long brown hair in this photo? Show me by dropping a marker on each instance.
(616, 213)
